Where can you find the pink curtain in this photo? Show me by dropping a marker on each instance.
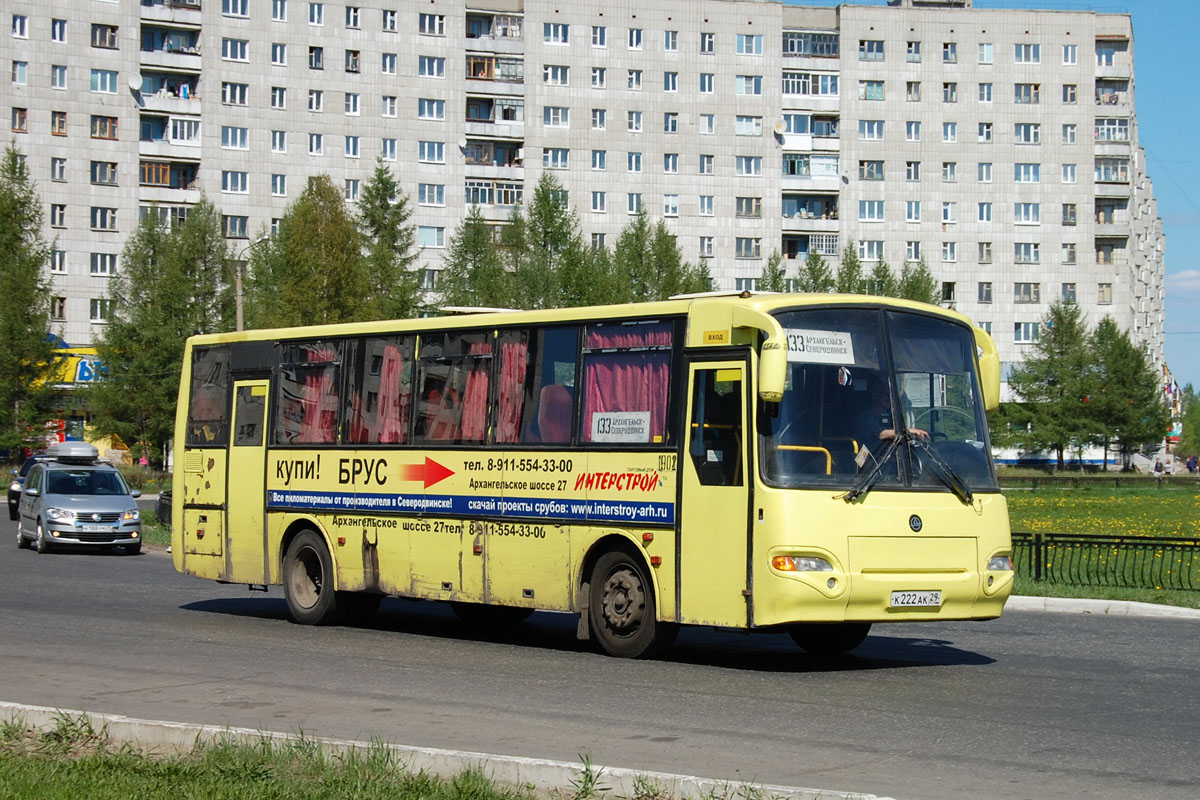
(514, 358)
(318, 424)
(612, 336)
(394, 399)
(475, 396)
(627, 382)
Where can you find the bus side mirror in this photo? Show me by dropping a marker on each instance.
(989, 369)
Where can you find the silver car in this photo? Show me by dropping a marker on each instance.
(72, 498)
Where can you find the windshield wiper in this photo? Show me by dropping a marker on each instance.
(940, 468)
(868, 480)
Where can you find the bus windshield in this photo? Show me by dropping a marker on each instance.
(862, 380)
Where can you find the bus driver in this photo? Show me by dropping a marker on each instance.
(874, 423)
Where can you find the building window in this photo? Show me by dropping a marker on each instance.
(556, 33)
(20, 72)
(431, 194)
(1069, 252)
(599, 77)
(104, 127)
(870, 50)
(1027, 292)
(1027, 173)
(949, 52)
(752, 207)
(985, 93)
(555, 157)
(949, 171)
(912, 211)
(351, 147)
(58, 262)
(233, 138)
(352, 60)
(670, 205)
(352, 15)
(236, 50)
(670, 41)
(1027, 93)
(1069, 213)
(749, 165)
(316, 13)
(912, 170)
(1068, 293)
(670, 81)
(104, 219)
(316, 100)
(431, 109)
(316, 144)
(234, 94)
(1027, 213)
(749, 84)
(316, 57)
(58, 123)
(985, 52)
(670, 163)
(100, 309)
(350, 190)
(985, 291)
(58, 308)
(985, 212)
(1027, 53)
(633, 202)
(748, 247)
(870, 129)
(388, 22)
(104, 81)
(599, 36)
(104, 264)
(635, 39)
(104, 36)
(279, 54)
(1027, 253)
(599, 160)
(278, 97)
(707, 205)
(633, 162)
(870, 249)
(949, 132)
(949, 251)
(279, 185)
(1068, 173)
(950, 92)
(387, 105)
(58, 30)
(1027, 133)
(1104, 294)
(58, 169)
(388, 64)
(913, 52)
(708, 43)
(1026, 332)
(870, 170)
(431, 152)
(1070, 93)
(633, 122)
(435, 67)
(599, 202)
(749, 44)
(234, 182)
(912, 91)
(670, 122)
(706, 164)
(58, 215)
(985, 132)
(1070, 134)
(599, 119)
(58, 76)
(1070, 53)
(234, 227)
(387, 149)
(104, 173)
(912, 251)
(985, 252)
(706, 247)
(949, 213)
(708, 124)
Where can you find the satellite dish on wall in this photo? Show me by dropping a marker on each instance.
(135, 82)
(462, 143)
(780, 128)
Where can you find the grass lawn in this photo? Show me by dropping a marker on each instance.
(1144, 511)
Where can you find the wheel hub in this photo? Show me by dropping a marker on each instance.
(623, 602)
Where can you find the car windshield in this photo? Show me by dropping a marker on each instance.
(860, 380)
(85, 481)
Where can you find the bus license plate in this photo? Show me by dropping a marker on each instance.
(930, 599)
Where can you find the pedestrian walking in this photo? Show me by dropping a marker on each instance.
(1158, 472)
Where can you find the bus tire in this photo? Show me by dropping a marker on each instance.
(308, 581)
(824, 639)
(621, 609)
(482, 614)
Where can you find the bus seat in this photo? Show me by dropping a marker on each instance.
(554, 414)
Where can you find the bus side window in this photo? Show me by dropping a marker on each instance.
(716, 429)
(208, 410)
(453, 375)
(626, 384)
(379, 396)
(547, 406)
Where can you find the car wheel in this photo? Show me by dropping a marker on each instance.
(22, 542)
(13, 511)
(41, 544)
(622, 609)
(308, 581)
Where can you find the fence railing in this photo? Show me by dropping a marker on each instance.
(1098, 481)
(1081, 559)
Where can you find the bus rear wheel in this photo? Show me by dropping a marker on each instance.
(822, 639)
(621, 609)
(308, 581)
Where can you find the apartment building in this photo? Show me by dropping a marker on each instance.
(999, 146)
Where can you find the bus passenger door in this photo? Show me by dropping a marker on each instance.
(714, 514)
(245, 546)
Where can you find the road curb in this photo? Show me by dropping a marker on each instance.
(534, 773)
(1111, 608)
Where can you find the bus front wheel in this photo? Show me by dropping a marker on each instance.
(621, 609)
(308, 580)
(829, 639)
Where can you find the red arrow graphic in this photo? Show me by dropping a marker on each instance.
(429, 473)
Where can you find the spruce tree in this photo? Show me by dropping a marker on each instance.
(473, 272)
(391, 253)
(1123, 396)
(815, 275)
(917, 283)
(26, 348)
(774, 276)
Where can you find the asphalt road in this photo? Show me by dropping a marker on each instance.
(1033, 705)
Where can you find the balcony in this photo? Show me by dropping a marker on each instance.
(495, 69)
(186, 12)
(495, 33)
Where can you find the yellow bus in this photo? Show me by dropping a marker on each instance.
(809, 464)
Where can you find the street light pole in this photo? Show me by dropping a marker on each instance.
(239, 296)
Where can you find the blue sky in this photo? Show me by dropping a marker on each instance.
(1168, 111)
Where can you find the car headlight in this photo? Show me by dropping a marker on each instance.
(14, 487)
(132, 514)
(60, 514)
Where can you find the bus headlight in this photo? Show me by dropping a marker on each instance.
(801, 564)
(1000, 564)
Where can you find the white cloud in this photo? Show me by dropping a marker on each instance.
(1183, 285)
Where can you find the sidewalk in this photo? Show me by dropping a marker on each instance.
(1115, 608)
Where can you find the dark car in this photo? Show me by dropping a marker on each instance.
(18, 481)
(73, 498)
